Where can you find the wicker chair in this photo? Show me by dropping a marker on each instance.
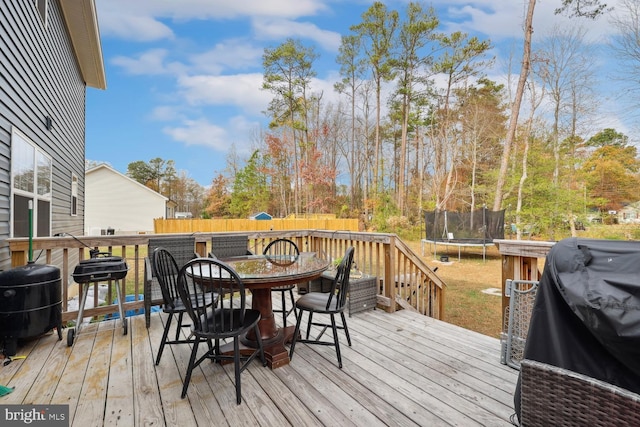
(182, 249)
(230, 246)
(552, 396)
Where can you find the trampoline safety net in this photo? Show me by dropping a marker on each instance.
(479, 226)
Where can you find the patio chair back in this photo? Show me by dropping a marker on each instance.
(230, 246)
(340, 286)
(553, 396)
(283, 252)
(182, 249)
(167, 273)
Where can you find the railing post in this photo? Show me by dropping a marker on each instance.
(390, 273)
(520, 262)
(201, 249)
(18, 258)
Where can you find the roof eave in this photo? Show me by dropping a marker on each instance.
(82, 23)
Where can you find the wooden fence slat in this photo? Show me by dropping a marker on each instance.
(190, 225)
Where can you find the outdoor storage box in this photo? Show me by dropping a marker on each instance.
(363, 290)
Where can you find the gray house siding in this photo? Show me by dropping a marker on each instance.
(39, 78)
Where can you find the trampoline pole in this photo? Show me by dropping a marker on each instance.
(446, 226)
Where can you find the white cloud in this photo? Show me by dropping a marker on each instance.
(166, 113)
(199, 132)
(231, 54)
(133, 27)
(151, 62)
(277, 29)
(140, 20)
(505, 18)
(241, 90)
(237, 131)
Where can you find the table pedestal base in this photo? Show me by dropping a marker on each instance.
(275, 352)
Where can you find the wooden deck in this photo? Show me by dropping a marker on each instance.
(403, 369)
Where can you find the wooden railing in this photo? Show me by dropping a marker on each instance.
(404, 278)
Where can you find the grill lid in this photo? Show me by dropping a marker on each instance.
(29, 274)
(100, 268)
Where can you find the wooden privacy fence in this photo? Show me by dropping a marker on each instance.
(228, 225)
(403, 278)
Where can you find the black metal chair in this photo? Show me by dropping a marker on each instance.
(230, 319)
(283, 251)
(331, 304)
(166, 269)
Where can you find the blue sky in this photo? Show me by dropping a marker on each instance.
(184, 76)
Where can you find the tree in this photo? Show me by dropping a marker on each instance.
(90, 164)
(161, 176)
(564, 66)
(218, 198)
(515, 108)
(352, 71)
(153, 174)
(377, 31)
(626, 47)
(277, 166)
(141, 172)
(482, 123)
(585, 8)
(608, 137)
(288, 70)
(415, 33)
(611, 171)
(560, 64)
(250, 192)
(186, 192)
(461, 60)
(611, 176)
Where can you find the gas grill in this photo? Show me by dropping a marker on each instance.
(101, 267)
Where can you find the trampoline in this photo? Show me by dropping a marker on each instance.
(474, 229)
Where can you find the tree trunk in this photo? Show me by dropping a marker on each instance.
(515, 108)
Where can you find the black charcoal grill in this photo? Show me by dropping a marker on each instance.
(30, 304)
(101, 267)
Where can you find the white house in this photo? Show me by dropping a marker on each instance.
(629, 214)
(116, 202)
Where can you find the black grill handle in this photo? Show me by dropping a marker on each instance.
(95, 253)
(102, 278)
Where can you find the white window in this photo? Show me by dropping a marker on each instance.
(74, 194)
(31, 171)
(42, 6)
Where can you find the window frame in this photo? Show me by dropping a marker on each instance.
(42, 6)
(75, 182)
(18, 142)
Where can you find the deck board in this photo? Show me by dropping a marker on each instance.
(403, 369)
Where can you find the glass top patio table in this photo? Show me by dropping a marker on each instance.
(260, 273)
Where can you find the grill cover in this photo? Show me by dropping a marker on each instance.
(586, 317)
